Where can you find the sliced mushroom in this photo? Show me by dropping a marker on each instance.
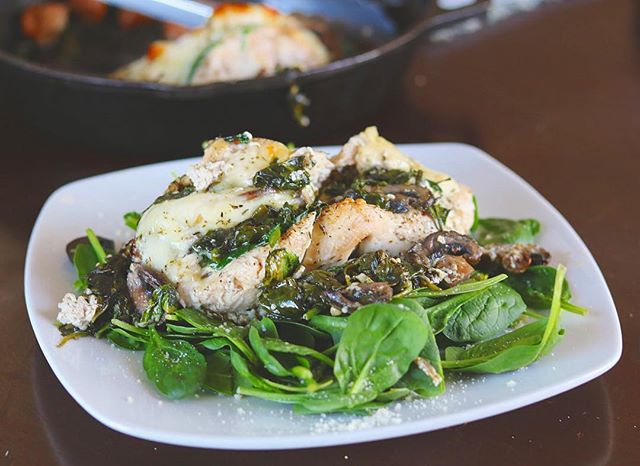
(141, 284)
(444, 243)
(514, 258)
(358, 294)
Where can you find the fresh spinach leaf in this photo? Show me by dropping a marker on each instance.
(462, 288)
(377, 347)
(219, 376)
(506, 231)
(440, 313)
(535, 285)
(516, 349)
(231, 332)
(476, 218)
(243, 377)
(334, 326)
(84, 261)
(97, 247)
(125, 340)
(425, 375)
(215, 343)
(487, 314)
(269, 362)
(279, 346)
(176, 368)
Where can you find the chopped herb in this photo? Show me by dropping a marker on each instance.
(131, 219)
(240, 138)
(197, 63)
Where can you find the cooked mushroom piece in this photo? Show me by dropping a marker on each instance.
(141, 284)
(444, 243)
(358, 294)
(514, 258)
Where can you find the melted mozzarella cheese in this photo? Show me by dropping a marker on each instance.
(168, 229)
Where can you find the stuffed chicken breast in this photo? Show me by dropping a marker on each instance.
(211, 232)
(240, 41)
(381, 199)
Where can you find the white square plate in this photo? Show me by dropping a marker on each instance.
(110, 383)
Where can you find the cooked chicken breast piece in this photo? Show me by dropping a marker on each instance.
(221, 195)
(368, 150)
(232, 291)
(240, 41)
(350, 226)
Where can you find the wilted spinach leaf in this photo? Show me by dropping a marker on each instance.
(164, 300)
(279, 265)
(288, 175)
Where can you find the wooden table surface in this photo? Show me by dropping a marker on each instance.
(553, 93)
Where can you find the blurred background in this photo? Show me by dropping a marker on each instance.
(62, 63)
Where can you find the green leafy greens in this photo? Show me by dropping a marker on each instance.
(506, 231)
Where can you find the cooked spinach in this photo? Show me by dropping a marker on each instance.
(290, 175)
(175, 367)
(535, 285)
(292, 298)
(164, 300)
(506, 231)
(219, 247)
(178, 193)
(131, 219)
(240, 138)
(390, 176)
(279, 265)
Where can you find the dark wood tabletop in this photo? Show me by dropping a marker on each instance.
(553, 93)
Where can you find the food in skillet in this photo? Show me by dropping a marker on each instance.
(240, 41)
(329, 283)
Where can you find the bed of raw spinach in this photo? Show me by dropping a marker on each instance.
(320, 363)
(356, 363)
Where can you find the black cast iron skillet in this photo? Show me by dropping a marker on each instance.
(135, 117)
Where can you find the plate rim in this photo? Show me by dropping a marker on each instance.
(413, 427)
